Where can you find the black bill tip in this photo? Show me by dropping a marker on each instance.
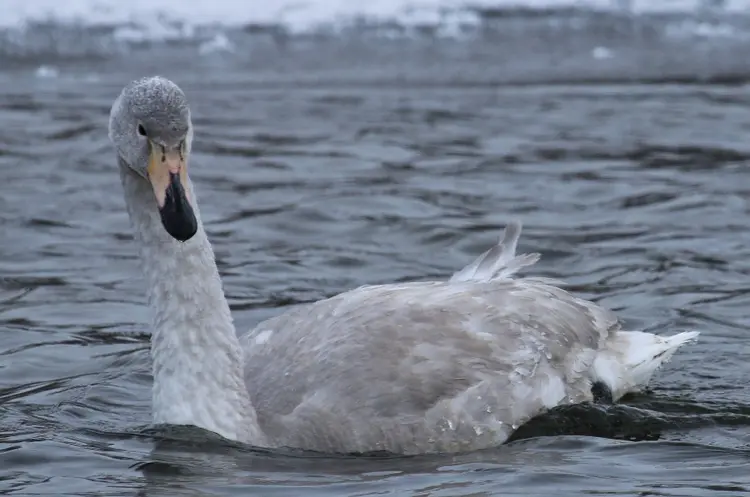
(177, 215)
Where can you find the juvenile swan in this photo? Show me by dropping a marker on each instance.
(421, 367)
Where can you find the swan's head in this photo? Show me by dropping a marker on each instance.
(151, 130)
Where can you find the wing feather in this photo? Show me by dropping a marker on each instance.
(500, 261)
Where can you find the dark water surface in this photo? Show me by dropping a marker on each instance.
(314, 183)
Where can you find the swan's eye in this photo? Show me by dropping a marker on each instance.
(141, 130)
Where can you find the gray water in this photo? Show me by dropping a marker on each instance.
(322, 166)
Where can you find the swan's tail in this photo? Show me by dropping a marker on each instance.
(500, 261)
(630, 358)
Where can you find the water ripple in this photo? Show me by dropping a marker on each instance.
(634, 195)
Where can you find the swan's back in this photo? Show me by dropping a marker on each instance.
(422, 367)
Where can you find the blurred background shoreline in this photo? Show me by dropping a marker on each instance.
(555, 42)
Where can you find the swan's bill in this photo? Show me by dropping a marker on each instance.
(168, 177)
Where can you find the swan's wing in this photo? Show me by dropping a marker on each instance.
(500, 261)
(421, 367)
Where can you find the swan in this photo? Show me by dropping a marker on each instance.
(407, 368)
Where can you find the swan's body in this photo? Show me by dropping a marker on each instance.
(408, 368)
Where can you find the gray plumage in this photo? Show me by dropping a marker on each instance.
(420, 367)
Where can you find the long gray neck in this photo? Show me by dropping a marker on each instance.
(197, 359)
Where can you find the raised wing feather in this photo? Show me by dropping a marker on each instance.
(500, 261)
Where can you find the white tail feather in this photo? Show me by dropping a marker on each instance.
(500, 261)
(630, 358)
